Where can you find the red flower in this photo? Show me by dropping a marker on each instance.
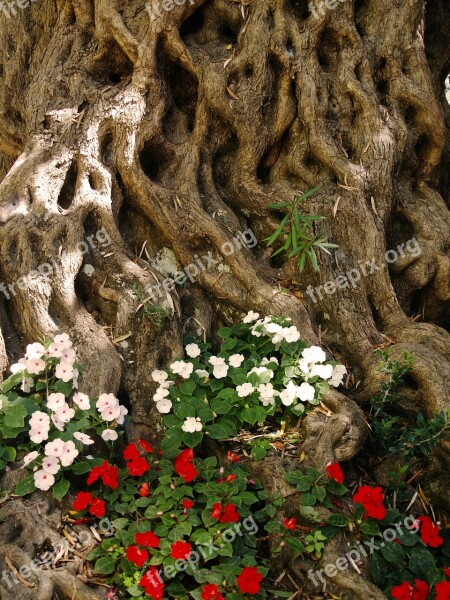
(138, 466)
(228, 479)
(98, 508)
(216, 510)
(230, 514)
(249, 580)
(211, 592)
(446, 571)
(144, 490)
(421, 590)
(402, 592)
(110, 477)
(148, 539)
(138, 556)
(291, 523)
(372, 500)
(231, 456)
(108, 474)
(153, 584)
(184, 467)
(180, 550)
(442, 590)
(187, 504)
(335, 472)
(146, 446)
(429, 532)
(131, 452)
(82, 501)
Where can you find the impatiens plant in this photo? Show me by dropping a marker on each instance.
(49, 419)
(192, 533)
(261, 372)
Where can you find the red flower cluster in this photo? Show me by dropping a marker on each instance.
(184, 466)
(107, 473)
(146, 446)
(372, 500)
(429, 532)
(153, 584)
(442, 590)
(232, 457)
(187, 504)
(180, 550)
(335, 472)
(405, 591)
(291, 523)
(211, 592)
(148, 539)
(137, 465)
(85, 499)
(226, 514)
(249, 580)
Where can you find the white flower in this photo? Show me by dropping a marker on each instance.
(291, 334)
(65, 413)
(39, 418)
(287, 396)
(244, 390)
(192, 424)
(64, 371)
(106, 401)
(27, 384)
(110, 435)
(54, 448)
(261, 371)
(220, 371)
(184, 369)
(39, 434)
(43, 480)
(304, 366)
(306, 392)
(69, 454)
(109, 413)
(64, 339)
(202, 373)
(273, 328)
(216, 361)
(121, 418)
(28, 458)
(192, 350)
(35, 350)
(166, 384)
(57, 422)
(322, 371)
(159, 376)
(314, 354)
(56, 401)
(160, 394)
(83, 438)
(35, 366)
(236, 360)
(82, 401)
(68, 355)
(50, 464)
(338, 375)
(164, 406)
(18, 366)
(266, 361)
(267, 394)
(250, 317)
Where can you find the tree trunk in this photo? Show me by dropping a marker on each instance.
(123, 134)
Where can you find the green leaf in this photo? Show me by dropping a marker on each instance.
(217, 431)
(9, 453)
(338, 520)
(307, 499)
(60, 488)
(24, 487)
(105, 565)
(370, 527)
(379, 569)
(15, 416)
(278, 231)
(249, 415)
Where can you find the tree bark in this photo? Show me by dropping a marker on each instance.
(143, 128)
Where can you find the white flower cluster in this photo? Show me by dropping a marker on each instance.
(277, 332)
(59, 453)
